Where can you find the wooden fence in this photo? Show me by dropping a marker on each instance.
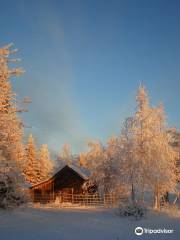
(65, 199)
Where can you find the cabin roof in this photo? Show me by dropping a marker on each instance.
(82, 172)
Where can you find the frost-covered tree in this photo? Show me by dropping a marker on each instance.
(102, 163)
(82, 159)
(163, 160)
(143, 130)
(11, 130)
(128, 164)
(147, 160)
(11, 188)
(112, 165)
(66, 153)
(65, 156)
(175, 143)
(32, 168)
(45, 162)
(11, 127)
(95, 159)
(152, 149)
(21, 153)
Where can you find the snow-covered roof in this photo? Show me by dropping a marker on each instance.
(44, 181)
(26, 185)
(83, 172)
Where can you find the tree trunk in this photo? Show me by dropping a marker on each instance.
(156, 198)
(142, 194)
(166, 197)
(132, 193)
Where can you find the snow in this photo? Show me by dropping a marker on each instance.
(80, 224)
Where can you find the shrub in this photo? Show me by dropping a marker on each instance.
(132, 209)
(10, 194)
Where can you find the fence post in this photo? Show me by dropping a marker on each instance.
(72, 195)
(53, 193)
(104, 199)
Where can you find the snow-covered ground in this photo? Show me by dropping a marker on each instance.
(81, 224)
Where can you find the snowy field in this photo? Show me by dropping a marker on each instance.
(81, 224)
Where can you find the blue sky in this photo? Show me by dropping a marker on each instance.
(84, 61)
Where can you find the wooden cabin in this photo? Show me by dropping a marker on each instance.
(69, 179)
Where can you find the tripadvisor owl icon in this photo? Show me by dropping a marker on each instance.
(138, 231)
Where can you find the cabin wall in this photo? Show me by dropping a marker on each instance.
(43, 191)
(68, 179)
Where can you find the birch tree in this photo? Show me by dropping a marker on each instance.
(128, 165)
(143, 130)
(65, 156)
(102, 162)
(112, 166)
(153, 150)
(95, 159)
(163, 178)
(82, 161)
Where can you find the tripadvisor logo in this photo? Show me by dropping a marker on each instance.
(139, 231)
